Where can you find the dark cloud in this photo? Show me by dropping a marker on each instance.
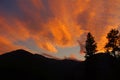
(10, 8)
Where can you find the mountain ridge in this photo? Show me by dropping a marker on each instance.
(37, 67)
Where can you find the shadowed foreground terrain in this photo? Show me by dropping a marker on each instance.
(23, 65)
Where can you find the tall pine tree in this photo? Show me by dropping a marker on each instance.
(112, 44)
(90, 45)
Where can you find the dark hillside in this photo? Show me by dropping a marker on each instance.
(23, 65)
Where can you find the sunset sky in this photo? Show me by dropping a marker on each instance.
(55, 26)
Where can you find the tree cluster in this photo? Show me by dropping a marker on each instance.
(112, 46)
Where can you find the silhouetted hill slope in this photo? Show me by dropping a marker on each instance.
(23, 65)
(101, 66)
(20, 65)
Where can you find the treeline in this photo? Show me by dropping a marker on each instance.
(112, 46)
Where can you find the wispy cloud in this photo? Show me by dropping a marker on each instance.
(57, 23)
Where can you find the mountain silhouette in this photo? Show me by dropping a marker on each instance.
(23, 65)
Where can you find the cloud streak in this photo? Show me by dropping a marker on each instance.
(57, 23)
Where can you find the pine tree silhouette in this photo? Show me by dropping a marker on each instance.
(90, 45)
(112, 44)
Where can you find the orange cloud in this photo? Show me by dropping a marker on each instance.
(46, 45)
(6, 45)
(60, 23)
(73, 57)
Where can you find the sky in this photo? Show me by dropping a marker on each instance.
(56, 27)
